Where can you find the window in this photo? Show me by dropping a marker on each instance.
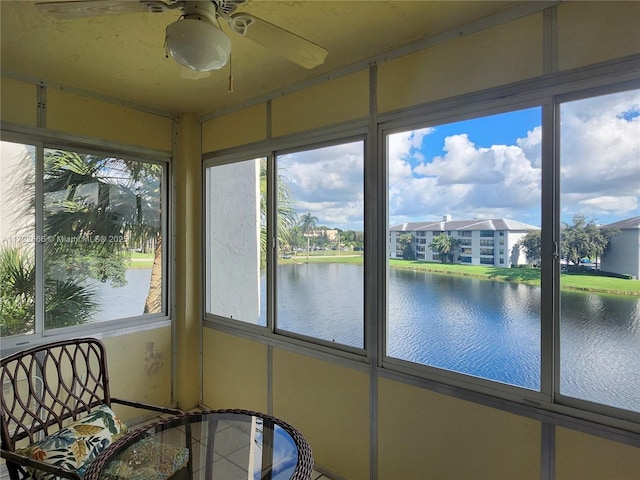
(320, 288)
(100, 237)
(315, 218)
(464, 198)
(600, 237)
(18, 233)
(473, 174)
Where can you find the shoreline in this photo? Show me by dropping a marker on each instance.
(526, 276)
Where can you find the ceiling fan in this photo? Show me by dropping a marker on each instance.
(195, 39)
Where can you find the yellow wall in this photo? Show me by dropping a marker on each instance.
(428, 435)
(585, 35)
(224, 132)
(18, 102)
(463, 65)
(586, 457)
(335, 101)
(140, 369)
(420, 434)
(329, 404)
(234, 372)
(93, 118)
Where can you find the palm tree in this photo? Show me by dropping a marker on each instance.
(286, 215)
(444, 245)
(98, 209)
(66, 302)
(307, 224)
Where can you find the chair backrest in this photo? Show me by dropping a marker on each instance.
(45, 385)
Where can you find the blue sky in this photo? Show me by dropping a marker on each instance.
(485, 168)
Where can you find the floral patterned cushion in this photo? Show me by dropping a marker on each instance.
(74, 446)
(147, 460)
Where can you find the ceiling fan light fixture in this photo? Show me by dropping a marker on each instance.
(198, 44)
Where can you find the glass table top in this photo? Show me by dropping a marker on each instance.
(223, 444)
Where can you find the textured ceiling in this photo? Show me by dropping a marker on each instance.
(123, 56)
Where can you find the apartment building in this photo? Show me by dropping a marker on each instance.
(480, 242)
(623, 254)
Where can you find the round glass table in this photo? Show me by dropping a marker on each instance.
(207, 445)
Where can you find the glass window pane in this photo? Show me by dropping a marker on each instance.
(236, 240)
(320, 273)
(464, 233)
(18, 235)
(600, 250)
(103, 250)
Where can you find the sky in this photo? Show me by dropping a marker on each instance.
(485, 168)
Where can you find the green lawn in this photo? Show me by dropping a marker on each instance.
(530, 276)
(141, 260)
(321, 257)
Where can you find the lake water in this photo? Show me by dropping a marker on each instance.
(482, 328)
(126, 301)
(478, 327)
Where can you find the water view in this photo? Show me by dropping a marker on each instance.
(122, 302)
(478, 327)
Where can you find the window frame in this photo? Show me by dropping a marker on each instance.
(270, 150)
(545, 92)
(43, 140)
(548, 397)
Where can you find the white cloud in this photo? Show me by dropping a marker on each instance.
(469, 182)
(600, 152)
(328, 183)
(600, 168)
(600, 171)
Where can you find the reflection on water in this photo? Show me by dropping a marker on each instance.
(323, 301)
(125, 301)
(482, 328)
(486, 329)
(600, 348)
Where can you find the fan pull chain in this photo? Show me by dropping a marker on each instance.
(230, 75)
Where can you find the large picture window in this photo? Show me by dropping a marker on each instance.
(465, 302)
(94, 236)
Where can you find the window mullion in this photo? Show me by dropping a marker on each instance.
(550, 244)
(39, 245)
(272, 239)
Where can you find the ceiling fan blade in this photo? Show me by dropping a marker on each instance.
(92, 8)
(291, 46)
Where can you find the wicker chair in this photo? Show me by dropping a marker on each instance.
(44, 388)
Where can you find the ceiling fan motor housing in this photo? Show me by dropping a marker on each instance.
(195, 41)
